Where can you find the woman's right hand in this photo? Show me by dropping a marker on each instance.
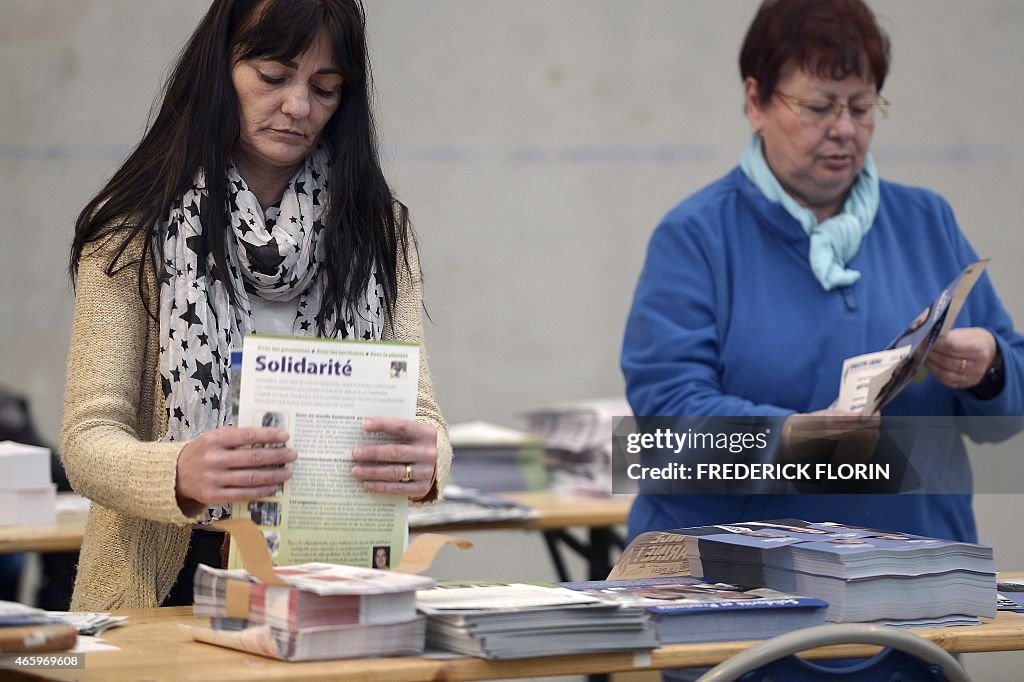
(231, 464)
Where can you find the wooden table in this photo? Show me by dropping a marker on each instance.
(155, 647)
(63, 536)
(558, 513)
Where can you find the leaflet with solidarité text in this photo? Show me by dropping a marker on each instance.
(321, 391)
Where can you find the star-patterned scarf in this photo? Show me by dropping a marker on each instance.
(275, 257)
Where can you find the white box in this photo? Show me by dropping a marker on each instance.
(23, 466)
(29, 506)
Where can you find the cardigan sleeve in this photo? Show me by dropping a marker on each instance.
(108, 406)
(408, 327)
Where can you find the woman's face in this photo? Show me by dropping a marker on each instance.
(284, 106)
(815, 161)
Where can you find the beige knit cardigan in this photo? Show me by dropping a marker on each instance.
(114, 416)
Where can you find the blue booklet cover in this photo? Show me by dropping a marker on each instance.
(749, 552)
(689, 610)
(864, 574)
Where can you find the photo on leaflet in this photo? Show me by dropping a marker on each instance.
(265, 512)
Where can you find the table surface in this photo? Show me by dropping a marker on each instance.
(556, 511)
(155, 646)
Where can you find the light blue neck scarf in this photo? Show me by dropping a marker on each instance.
(835, 241)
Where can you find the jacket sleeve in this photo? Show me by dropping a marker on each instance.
(408, 328)
(108, 406)
(671, 353)
(999, 417)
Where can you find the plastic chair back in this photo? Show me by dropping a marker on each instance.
(905, 658)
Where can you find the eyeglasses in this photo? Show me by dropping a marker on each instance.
(825, 111)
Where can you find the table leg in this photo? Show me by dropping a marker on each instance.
(598, 551)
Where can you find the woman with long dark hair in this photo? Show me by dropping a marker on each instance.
(255, 202)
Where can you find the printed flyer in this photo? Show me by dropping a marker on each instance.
(871, 381)
(320, 391)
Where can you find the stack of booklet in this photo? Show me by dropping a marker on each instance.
(28, 496)
(1010, 595)
(687, 610)
(864, 574)
(493, 458)
(578, 443)
(323, 611)
(503, 620)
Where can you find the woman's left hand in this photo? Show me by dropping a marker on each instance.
(404, 468)
(961, 358)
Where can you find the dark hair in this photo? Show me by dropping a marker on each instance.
(196, 127)
(828, 38)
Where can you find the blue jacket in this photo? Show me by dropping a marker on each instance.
(728, 320)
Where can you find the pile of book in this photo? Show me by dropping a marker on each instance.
(493, 458)
(688, 610)
(323, 611)
(864, 574)
(28, 496)
(578, 443)
(512, 620)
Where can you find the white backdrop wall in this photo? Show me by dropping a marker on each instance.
(537, 143)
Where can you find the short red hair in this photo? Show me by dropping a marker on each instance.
(827, 38)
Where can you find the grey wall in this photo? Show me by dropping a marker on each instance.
(537, 144)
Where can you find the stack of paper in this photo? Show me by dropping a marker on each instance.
(28, 496)
(465, 505)
(324, 611)
(1011, 594)
(864, 574)
(687, 610)
(24, 629)
(1010, 601)
(501, 620)
(578, 443)
(88, 622)
(493, 458)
